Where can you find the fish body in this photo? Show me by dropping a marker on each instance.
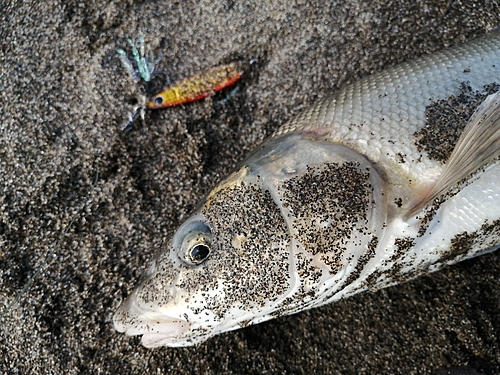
(393, 176)
(196, 87)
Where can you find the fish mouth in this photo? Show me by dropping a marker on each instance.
(157, 327)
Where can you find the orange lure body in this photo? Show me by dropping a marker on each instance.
(196, 87)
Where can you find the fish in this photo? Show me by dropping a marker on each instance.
(393, 176)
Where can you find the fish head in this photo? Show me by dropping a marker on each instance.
(227, 266)
(249, 253)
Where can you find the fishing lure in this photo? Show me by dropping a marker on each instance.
(197, 87)
(187, 90)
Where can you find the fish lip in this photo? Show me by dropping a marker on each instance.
(157, 327)
(164, 333)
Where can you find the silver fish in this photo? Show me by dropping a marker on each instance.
(394, 176)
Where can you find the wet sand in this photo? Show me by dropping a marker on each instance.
(64, 97)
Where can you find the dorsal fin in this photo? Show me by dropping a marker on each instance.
(478, 145)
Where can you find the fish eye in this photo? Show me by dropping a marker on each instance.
(195, 241)
(158, 100)
(199, 253)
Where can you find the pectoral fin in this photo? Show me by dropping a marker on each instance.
(478, 145)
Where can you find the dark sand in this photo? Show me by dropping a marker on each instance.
(63, 98)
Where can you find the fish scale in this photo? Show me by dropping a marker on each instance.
(400, 96)
(345, 198)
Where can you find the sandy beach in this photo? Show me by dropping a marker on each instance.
(64, 97)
